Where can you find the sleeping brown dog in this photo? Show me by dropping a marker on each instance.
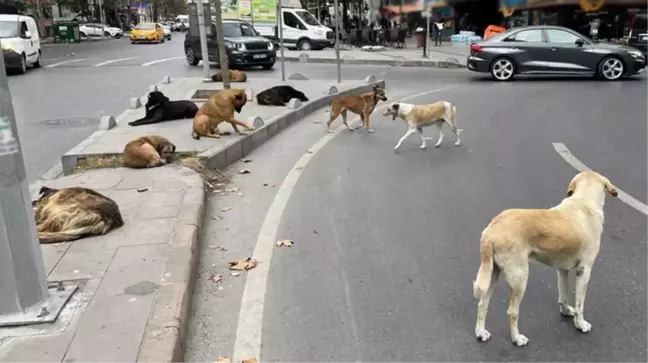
(148, 152)
(220, 107)
(234, 76)
(74, 213)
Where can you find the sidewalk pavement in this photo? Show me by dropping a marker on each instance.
(136, 282)
(446, 56)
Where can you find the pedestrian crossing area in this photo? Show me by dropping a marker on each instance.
(68, 62)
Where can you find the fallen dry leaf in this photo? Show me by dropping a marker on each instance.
(285, 242)
(244, 171)
(226, 209)
(246, 264)
(247, 160)
(217, 278)
(249, 360)
(235, 274)
(222, 360)
(142, 190)
(217, 217)
(317, 122)
(233, 190)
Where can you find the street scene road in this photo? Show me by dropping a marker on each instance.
(386, 244)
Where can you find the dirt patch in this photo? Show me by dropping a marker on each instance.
(98, 162)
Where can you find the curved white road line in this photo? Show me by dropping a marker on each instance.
(250, 322)
(113, 61)
(160, 61)
(578, 165)
(65, 62)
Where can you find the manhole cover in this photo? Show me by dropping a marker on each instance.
(71, 121)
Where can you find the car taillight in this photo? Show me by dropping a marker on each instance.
(476, 48)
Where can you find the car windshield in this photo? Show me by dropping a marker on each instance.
(238, 30)
(308, 18)
(8, 29)
(640, 24)
(145, 27)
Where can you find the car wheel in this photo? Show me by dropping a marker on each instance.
(502, 69)
(305, 45)
(38, 62)
(82, 34)
(107, 34)
(611, 69)
(268, 66)
(23, 65)
(191, 57)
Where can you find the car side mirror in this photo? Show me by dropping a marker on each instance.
(579, 42)
(28, 34)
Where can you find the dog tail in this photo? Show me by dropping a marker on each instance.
(483, 280)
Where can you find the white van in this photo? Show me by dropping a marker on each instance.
(20, 42)
(300, 30)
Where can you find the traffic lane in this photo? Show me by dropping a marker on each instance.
(58, 108)
(387, 276)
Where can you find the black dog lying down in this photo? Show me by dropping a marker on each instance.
(159, 108)
(279, 96)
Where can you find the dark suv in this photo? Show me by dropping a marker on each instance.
(638, 37)
(244, 46)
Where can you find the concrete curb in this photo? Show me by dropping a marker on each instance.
(379, 62)
(166, 329)
(219, 157)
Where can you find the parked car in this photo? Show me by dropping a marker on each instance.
(547, 49)
(167, 30)
(97, 30)
(147, 32)
(638, 36)
(20, 42)
(244, 46)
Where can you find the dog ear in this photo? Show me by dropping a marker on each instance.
(610, 188)
(571, 188)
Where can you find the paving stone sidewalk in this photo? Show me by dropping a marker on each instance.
(133, 281)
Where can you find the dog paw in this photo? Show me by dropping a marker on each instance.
(457, 143)
(423, 146)
(331, 131)
(566, 310)
(583, 326)
(396, 150)
(437, 145)
(371, 131)
(482, 335)
(520, 340)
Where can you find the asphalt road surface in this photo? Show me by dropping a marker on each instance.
(387, 245)
(59, 105)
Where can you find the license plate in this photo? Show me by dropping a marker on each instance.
(141, 37)
(643, 38)
(259, 56)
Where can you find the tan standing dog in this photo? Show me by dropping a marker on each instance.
(420, 116)
(362, 105)
(566, 237)
(234, 76)
(148, 152)
(220, 107)
(73, 213)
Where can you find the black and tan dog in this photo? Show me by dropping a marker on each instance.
(73, 213)
(159, 108)
(279, 96)
(362, 105)
(148, 152)
(234, 76)
(220, 107)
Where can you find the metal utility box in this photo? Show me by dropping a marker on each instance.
(66, 32)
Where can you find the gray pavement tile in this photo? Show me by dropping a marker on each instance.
(52, 254)
(133, 233)
(160, 205)
(76, 265)
(51, 348)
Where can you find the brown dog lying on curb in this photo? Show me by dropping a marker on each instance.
(220, 107)
(362, 105)
(73, 213)
(565, 237)
(148, 152)
(234, 76)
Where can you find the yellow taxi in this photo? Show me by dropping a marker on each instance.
(147, 32)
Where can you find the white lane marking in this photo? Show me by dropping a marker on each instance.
(578, 165)
(66, 62)
(160, 61)
(250, 322)
(113, 61)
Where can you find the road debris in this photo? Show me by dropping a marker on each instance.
(217, 217)
(249, 360)
(222, 360)
(309, 151)
(247, 160)
(285, 242)
(244, 171)
(317, 122)
(226, 209)
(243, 265)
(233, 190)
(142, 190)
(235, 273)
(217, 278)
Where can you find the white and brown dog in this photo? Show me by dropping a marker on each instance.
(566, 237)
(420, 116)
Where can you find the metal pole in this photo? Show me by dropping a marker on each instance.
(222, 55)
(22, 273)
(337, 40)
(200, 11)
(252, 12)
(281, 44)
(427, 36)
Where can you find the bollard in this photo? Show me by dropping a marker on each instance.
(256, 122)
(135, 103)
(294, 103)
(297, 77)
(332, 90)
(153, 88)
(370, 79)
(303, 58)
(107, 123)
(249, 93)
(166, 80)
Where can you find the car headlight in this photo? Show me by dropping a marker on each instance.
(635, 54)
(240, 47)
(229, 45)
(7, 45)
(270, 46)
(320, 33)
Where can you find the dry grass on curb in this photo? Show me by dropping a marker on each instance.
(190, 160)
